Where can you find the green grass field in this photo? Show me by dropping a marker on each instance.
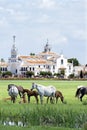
(69, 116)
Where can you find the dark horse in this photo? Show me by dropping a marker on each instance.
(80, 92)
(58, 95)
(31, 93)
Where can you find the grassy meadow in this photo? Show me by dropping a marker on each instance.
(69, 116)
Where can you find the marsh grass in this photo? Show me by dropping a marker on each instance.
(34, 128)
(72, 114)
(45, 115)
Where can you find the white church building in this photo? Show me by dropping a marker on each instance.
(44, 61)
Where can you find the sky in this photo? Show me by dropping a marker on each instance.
(62, 22)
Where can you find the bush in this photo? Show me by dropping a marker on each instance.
(45, 74)
(29, 74)
(71, 76)
(6, 74)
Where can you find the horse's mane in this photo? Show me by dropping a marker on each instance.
(78, 92)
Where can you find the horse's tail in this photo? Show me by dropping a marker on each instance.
(77, 92)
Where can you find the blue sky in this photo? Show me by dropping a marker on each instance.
(62, 22)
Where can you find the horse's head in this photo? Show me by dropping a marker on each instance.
(33, 86)
(9, 86)
(62, 99)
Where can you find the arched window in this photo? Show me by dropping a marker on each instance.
(61, 61)
(30, 68)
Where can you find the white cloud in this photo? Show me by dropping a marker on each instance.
(60, 39)
(1, 8)
(47, 4)
(80, 34)
(61, 21)
(43, 18)
(19, 16)
(12, 14)
(54, 37)
(3, 23)
(6, 10)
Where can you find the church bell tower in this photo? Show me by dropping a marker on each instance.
(13, 60)
(13, 50)
(47, 47)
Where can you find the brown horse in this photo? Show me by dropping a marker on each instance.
(31, 93)
(58, 95)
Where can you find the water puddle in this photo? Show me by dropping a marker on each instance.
(12, 123)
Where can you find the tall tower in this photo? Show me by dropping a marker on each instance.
(13, 60)
(13, 50)
(47, 47)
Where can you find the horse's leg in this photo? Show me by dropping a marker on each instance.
(56, 100)
(81, 97)
(41, 99)
(20, 94)
(28, 98)
(51, 100)
(36, 97)
(13, 99)
(47, 99)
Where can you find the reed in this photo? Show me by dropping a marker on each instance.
(72, 114)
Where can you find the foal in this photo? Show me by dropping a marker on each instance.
(58, 95)
(31, 93)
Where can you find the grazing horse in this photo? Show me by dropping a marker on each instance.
(58, 95)
(48, 91)
(20, 89)
(13, 92)
(80, 92)
(31, 93)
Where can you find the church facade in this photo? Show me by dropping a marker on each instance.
(44, 61)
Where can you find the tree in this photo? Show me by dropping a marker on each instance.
(29, 74)
(71, 76)
(2, 60)
(45, 73)
(81, 74)
(32, 54)
(74, 61)
(6, 74)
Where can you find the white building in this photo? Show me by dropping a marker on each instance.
(44, 61)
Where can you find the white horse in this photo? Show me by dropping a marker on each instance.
(13, 92)
(48, 91)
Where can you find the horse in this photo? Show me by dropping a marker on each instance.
(48, 91)
(13, 92)
(58, 95)
(20, 89)
(81, 91)
(31, 93)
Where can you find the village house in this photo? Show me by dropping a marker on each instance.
(45, 61)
